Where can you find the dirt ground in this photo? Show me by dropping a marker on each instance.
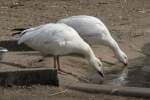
(127, 20)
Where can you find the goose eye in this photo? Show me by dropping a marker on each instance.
(99, 64)
(125, 57)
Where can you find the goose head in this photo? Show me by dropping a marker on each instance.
(98, 65)
(122, 57)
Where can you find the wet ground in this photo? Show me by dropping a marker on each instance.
(127, 20)
(136, 74)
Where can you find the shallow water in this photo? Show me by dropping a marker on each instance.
(133, 75)
(137, 73)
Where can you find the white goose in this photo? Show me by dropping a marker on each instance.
(59, 40)
(93, 31)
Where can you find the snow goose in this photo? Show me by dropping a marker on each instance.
(93, 31)
(59, 40)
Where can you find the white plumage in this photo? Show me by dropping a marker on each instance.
(58, 40)
(93, 31)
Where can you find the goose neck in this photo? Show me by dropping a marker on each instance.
(89, 54)
(114, 46)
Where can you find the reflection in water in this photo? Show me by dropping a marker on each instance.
(140, 74)
(139, 77)
(136, 74)
(122, 79)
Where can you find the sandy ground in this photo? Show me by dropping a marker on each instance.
(127, 20)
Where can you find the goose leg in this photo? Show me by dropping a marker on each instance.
(55, 62)
(59, 67)
(58, 64)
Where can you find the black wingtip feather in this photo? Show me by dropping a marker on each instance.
(13, 34)
(19, 29)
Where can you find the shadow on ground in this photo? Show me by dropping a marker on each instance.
(12, 45)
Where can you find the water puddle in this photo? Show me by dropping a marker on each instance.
(137, 73)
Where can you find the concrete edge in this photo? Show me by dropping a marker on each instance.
(113, 90)
(43, 76)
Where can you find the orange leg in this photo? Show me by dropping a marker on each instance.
(59, 67)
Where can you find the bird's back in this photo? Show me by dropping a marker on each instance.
(51, 38)
(90, 28)
(85, 25)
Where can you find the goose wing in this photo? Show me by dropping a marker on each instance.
(51, 32)
(86, 25)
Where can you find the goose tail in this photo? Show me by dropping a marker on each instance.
(19, 31)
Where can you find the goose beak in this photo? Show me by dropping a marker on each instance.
(125, 63)
(101, 73)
